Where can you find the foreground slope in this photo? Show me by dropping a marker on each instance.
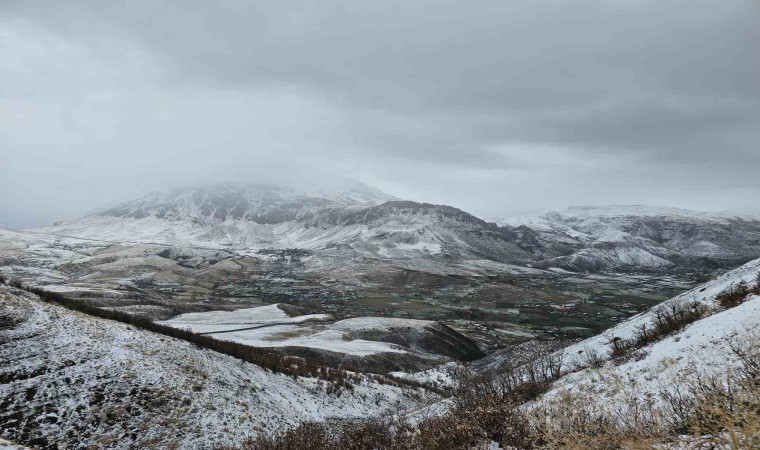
(70, 380)
(702, 349)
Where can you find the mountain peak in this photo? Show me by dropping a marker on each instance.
(257, 202)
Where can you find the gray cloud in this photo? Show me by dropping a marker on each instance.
(459, 102)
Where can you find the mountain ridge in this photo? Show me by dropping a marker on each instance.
(363, 222)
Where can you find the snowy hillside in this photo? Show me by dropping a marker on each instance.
(587, 396)
(68, 379)
(259, 203)
(702, 348)
(635, 236)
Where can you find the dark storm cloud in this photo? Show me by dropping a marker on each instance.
(486, 86)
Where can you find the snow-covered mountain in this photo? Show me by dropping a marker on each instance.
(258, 203)
(357, 222)
(354, 223)
(639, 237)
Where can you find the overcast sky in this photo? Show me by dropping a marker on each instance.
(490, 106)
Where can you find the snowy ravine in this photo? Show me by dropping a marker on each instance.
(74, 380)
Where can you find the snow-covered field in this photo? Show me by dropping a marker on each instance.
(218, 321)
(269, 326)
(445, 375)
(330, 340)
(379, 323)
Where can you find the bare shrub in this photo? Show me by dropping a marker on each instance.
(359, 435)
(619, 347)
(307, 435)
(702, 412)
(573, 421)
(591, 358)
(667, 319)
(547, 367)
(734, 296)
(673, 317)
(737, 294)
(485, 408)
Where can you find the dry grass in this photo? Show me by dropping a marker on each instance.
(703, 411)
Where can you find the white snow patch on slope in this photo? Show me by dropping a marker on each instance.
(427, 247)
(702, 348)
(269, 326)
(444, 375)
(8, 445)
(330, 340)
(213, 321)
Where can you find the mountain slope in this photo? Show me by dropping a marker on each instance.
(662, 392)
(345, 227)
(72, 380)
(258, 203)
(701, 349)
(637, 237)
(348, 224)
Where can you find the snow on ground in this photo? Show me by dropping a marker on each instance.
(704, 294)
(290, 336)
(428, 247)
(78, 380)
(214, 321)
(269, 326)
(444, 375)
(701, 348)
